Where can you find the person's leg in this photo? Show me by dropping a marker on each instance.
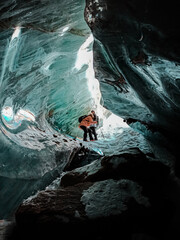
(85, 132)
(95, 134)
(93, 129)
(90, 134)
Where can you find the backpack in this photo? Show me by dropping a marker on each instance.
(82, 117)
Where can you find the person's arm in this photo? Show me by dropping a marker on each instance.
(97, 118)
(91, 121)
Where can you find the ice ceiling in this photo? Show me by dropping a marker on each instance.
(58, 57)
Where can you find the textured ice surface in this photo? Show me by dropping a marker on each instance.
(40, 86)
(47, 81)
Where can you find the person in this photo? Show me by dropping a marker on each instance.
(85, 126)
(93, 126)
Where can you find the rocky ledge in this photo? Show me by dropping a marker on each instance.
(130, 195)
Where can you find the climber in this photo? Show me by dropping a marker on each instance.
(85, 126)
(93, 126)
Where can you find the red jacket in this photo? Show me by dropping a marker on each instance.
(87, 121)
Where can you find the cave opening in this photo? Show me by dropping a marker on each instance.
(59, 60)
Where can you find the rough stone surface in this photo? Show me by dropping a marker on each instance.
(111, 197)
(131, 199)
(131, 164)
(77, 211)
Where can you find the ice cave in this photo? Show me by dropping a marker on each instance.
(59, 59)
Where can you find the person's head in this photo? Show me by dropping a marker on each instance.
(92, 111)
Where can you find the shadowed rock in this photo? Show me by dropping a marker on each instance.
(122, 195)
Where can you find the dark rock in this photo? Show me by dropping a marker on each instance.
(100, 210)
(131, 164)
(53, 206)
(126, 195)
(81, 157)
(51, 213)
(62, 212)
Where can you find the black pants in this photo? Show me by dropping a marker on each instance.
(93, 130)
(86, 131)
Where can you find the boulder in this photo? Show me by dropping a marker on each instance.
(122, 195)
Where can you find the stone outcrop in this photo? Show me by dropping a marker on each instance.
(124, 195)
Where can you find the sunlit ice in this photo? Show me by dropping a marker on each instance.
(16, 32)
(84, 53)
(12, 120)
(85, 57)
(65, 29)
